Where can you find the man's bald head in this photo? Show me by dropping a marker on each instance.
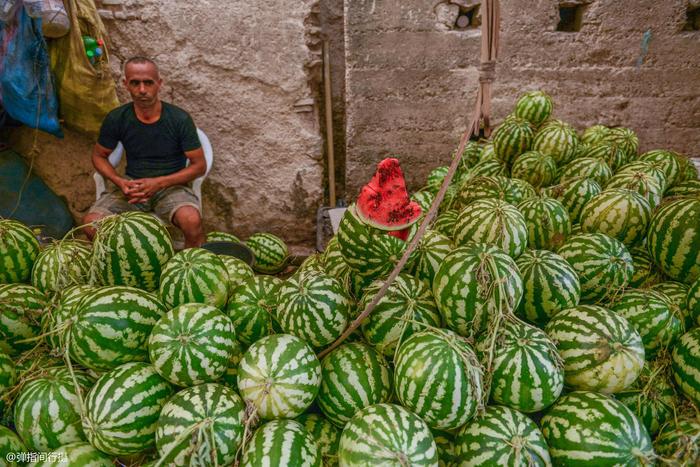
(144, 61)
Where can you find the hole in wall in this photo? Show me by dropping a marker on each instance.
(468, 18)
(692, 19)
(570, 17)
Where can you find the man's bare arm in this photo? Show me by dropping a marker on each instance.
(100, 161)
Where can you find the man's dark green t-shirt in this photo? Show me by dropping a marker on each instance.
(154, 149)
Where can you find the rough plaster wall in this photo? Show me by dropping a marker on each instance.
(411, 82)
(248, 72)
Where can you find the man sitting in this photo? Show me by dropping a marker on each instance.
(158, 139)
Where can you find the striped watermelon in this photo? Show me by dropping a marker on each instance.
(534, 106)
(586, 167)
(386, 434)
(595, 134)
(326, 435)
(447, 451)
(354, 376)
(424, 200)
(21, 310)
(613, 154)
(667, 162)
(314, 307)
(558, 140)
(535, 168)
(369, 251)
(686, 365)
(512, 138)
(674, 234)
(335, 264)
(312, 264)
(693, 303)
(470, 156)
(618, 213)
(252, 307)
(488, 167)
(488, 152)
(601, 350)
(686, 189)
(445, 222)
(18, 250)
(652, 396)
(130, 249)
(573, 194)
(625, 138)
(652, 169)
(475, 283)
(640, 182)
(230, 377)
(238, 271)
(677, 443)
(430, 252)
(519, 191)
(435, 178)
(270, 252)
(689, 171)
(550, 285)
(280, 376)
(112, 326)
(645, 272)
(122, 408)
(75, 454)
(192, 344)
(501, 436)
(648, 311)
(217, 236)
(8, 377)
(547, 222)
(60, 265)
(10, 446)
(194, 275)
(478, 188)
(603, 264)
(407, 307)
(676, 296)
(58, 319)
(202, 425)
(526, 372)
(281, 443)
(581, 150)
(493, 222)
(438, 377)
(591, 429)
(47, 410)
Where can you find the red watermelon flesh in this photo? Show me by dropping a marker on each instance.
(384, 203)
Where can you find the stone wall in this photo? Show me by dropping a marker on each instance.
(249, 74)
(411, 75)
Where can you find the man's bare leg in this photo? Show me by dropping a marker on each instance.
(89, 218)
(188, 220)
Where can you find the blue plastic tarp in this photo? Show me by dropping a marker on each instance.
(27, 90)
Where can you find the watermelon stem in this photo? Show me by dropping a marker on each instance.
(250, 420)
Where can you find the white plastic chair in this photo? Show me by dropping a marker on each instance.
(116, 156)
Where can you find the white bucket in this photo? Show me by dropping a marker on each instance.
(54, 19)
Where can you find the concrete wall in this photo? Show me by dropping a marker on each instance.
(249, 74)
(411, 78)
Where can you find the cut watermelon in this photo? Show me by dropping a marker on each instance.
(384, 203)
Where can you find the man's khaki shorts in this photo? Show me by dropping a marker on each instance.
(163, 204)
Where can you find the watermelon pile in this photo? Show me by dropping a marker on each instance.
(550, 315)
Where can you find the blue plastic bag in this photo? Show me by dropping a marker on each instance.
(27, 90)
